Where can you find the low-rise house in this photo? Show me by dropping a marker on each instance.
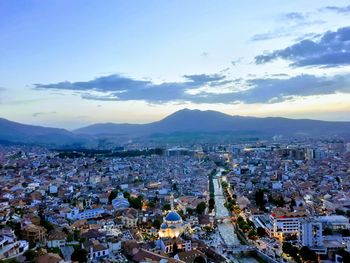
(95, 249)
(56, 238)
(129, 218)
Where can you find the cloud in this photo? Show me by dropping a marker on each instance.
(37, 114)
(117, 87)
(331, 49)
(338, 9)
(291, 24)
(203, 88)
(285, 31)
(268, 90)
(294, 16)
(278, 33)
(237, 61)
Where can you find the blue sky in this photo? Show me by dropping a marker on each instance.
(71, 63)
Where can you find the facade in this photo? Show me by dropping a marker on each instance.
(130, 218)
(334, 222)
(96, 250)
(310, 234)
(34, 234)
(74, 214)
(286, 223)
(56, 239)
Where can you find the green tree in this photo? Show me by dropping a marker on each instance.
(344, 254)
(79, 255)
(126, 195)
(201, 208)
(261, 231)
(340, 212)
(136, 202)
(156, 223)
(112, 196)
(252, 234)
(30, 255)
(211, 203)
(307, 254)
(259, 199)
(166, 207)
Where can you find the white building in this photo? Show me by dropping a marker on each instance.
(74, 213)
(334, 222)
(285, 222)
(310, 234)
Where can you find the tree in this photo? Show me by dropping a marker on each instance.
(307, 254)
(201, 208)
(344, 254)
(126, 195)
(340, 212)
(112, 196)
(166, 207)
(30, 255)
(151, 204)
(261, 231)
(156, 223)
(211, 204)
(291, 250)
(136, 202)
(79, 255)
(293, 203)
(286, 247)
(252, 234)
(259, 199)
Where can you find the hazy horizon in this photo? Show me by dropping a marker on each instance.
(69, 64)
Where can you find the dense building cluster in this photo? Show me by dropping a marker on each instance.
(276, 201)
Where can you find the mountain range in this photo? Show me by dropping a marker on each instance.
(193, 123)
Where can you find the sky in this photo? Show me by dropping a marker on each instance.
(72, 63)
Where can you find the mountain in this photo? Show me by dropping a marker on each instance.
(181, 126)
(209, 122)
(17, 133)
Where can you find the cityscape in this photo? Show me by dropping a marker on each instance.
(174, 131)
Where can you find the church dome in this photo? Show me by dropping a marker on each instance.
(164, 226)
(173, 217)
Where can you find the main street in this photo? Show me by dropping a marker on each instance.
(225, 228)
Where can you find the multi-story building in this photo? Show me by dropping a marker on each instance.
(310, 235)
(285, 222)
(34, 233)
